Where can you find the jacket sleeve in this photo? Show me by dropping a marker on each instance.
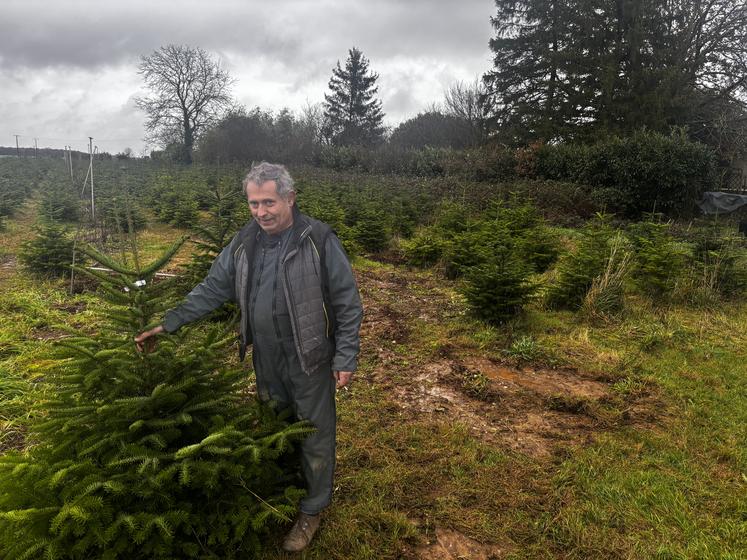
(346, 303)
(216, 289)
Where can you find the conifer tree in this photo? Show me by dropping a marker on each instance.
(353, 114)
(50, 252)
(144, 455)
(212, 237)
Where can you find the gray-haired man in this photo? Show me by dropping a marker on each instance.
(300, 310)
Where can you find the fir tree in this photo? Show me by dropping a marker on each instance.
(353, 114)
(144, 455)
(50, 252)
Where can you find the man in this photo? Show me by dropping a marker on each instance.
(301, 311)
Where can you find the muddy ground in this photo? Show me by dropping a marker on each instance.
(532, 409)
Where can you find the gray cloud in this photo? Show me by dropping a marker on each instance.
(69, 68)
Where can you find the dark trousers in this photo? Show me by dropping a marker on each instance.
(311, 397)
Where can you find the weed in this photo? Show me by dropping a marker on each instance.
(476, 384)
(525, 349)
(605, 299)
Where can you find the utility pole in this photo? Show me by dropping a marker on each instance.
(69, 161)
(18, 150)
(90, 167)
(36, 149)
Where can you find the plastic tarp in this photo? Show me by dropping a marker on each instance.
(715, 202)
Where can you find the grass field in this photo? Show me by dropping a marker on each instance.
(550, 437)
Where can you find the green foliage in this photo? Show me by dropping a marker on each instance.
(174, 202)
(12, 191)
(641, 173)
(371, 231)
(524, 349)
(15, 394)
(578, 69)
(425, 248)
(144, 455)
(50, 252)
(527, 235)
(432, 129)
(222, 200)
(659, 260)
(605, 299)
(577, 269)
(353, 115)
(717, 271)
(58, 201)
(498, 287)
(121, 214)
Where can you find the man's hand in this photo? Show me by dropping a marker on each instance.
(343, 378)
(146, 341)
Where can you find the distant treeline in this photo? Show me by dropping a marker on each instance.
(38, 152)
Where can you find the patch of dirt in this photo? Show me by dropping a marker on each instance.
(453, 545)
(71, 308)
(535, 411)
(518, 415)
(532, 411)
(49, 334)
(543, 382)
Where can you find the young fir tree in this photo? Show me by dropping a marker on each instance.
(211, 238)
(144, 455)
(499, 286)
(50, 252)
(577, 270)
(353, 114)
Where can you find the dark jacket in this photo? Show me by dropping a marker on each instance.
(318, 339)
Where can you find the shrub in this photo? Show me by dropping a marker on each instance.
(486, 163)
(659, 260)
(121, 214)
(58, 203)
(498, 289)
(532, 239)
(524, 231)
(49, 253)
(717, 270)
(577, 270)
(174, 203)
(370, 231)
(425, 248)
(645, 172)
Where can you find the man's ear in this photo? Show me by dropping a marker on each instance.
(291, 198)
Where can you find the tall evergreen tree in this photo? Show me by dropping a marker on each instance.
(144, 455)
(353, 114)
(531, 91)
(570, 68)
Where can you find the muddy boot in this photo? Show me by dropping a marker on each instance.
(301, 533)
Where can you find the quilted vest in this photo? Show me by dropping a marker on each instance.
(303, 279)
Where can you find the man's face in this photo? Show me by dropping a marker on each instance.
(272, 212)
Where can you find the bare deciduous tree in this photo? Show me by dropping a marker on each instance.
(465, 101)
(189, 91)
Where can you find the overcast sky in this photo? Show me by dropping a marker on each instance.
(68, 69)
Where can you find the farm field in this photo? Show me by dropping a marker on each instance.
(551, 435)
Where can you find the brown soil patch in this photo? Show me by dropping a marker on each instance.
(535, 411)
(452, 545)
(519, 412)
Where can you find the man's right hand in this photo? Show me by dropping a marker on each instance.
(146, 341)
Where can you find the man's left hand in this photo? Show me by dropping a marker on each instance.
(343, 378)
